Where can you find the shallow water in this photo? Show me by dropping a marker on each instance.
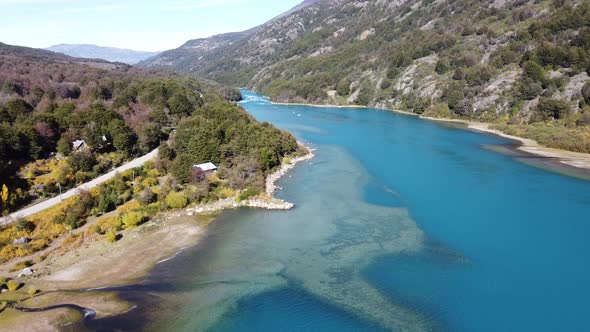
(400, 224)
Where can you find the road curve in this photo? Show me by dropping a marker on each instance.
(26, 212)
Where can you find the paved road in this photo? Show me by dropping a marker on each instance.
(86, 186)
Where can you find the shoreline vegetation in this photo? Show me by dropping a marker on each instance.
(569, 158)
(64, 278)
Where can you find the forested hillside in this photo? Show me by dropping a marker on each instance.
(523, 64)
(48, 102)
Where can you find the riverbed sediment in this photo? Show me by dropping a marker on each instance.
(99, 265)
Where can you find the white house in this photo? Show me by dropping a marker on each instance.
(78, 145)
(206, 167)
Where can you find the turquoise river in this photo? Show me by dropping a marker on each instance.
(401, 224)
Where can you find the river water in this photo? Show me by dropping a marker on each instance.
(400, 224)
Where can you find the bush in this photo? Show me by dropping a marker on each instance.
(32, 291)
(343, 87)
(586, 93)
(97, 229)
(12, 285)
(223, 192)
(82, 161)
(111, 236)
(535, 72)
(552, 134)
(176, 200)
(453, 94)
(584, 119)
(107, 201)
(25, 225)
(248, 193)
(529, 89)
(442, 66)
(146, 196)
(552, 109)
(132, 219)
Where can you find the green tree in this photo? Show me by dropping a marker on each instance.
(180, 105)
(552, 109)
(535, 72)
(82, 161)
(18, 108)
(149, 136)
(586, 93)
(124, 138)
(343, 87)
(454, 94)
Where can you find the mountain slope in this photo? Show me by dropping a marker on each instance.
(105, 53)
(196, 55)
(516, 62)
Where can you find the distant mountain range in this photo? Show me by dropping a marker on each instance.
(105, 53)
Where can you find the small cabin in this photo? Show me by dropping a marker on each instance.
(26, 272)
(22, 240)
(78, 145)
(208, 168)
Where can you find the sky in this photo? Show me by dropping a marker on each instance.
(148, 25)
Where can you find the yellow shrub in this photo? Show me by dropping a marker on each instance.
(8, 235)
(111, 236)
(213, 178)
(132, 219)
(32, 291)
(20, 265)
(108, 222)
(63, 172)
(176, 200)
(153, 173)
(39, 244)
(129, 206)
(38, 168)
(10, 252)
(12, 285)
(150, 182)
(226, 192)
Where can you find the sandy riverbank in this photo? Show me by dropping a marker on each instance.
(61, 278)
(569, 158)
(100, 265)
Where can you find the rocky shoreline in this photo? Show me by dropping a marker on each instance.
(285, 168)
(268, 203)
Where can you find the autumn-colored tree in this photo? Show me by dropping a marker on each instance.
(4, 198)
